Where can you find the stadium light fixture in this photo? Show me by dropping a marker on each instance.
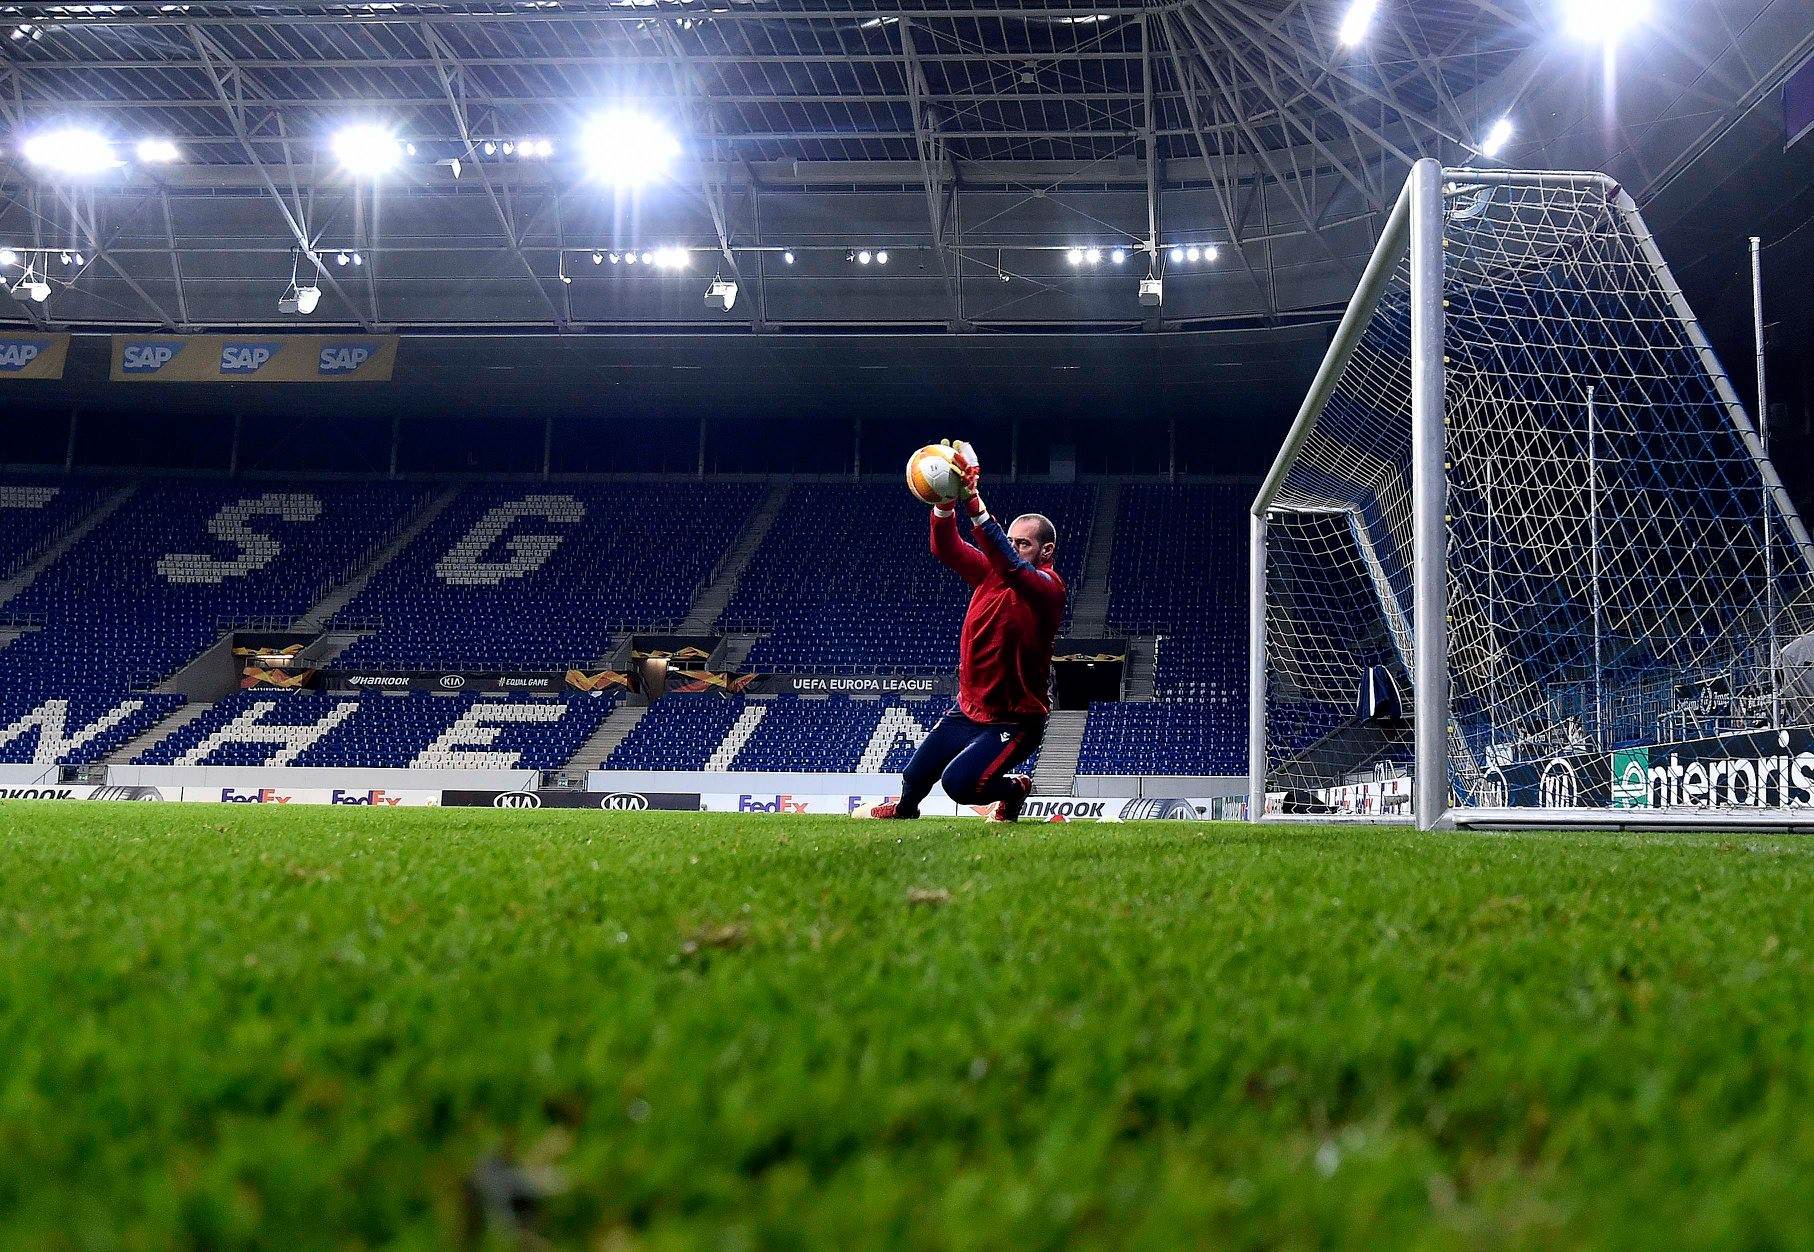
(1177, 256)
(1497, 138)
(1093, 256)
(358, 260)
(158, 152)
(1603, 21)
(8, 256)
(31, 287)
(1193, 254)
(341, 258)
(70, 150)
(627, 149)
(509, 148)
(629, 258)
(882, 257)
(1074, 256)
(863, 257)
(1356, 22)
(787, 258)
(1118, 256)
(366, 149)
(1211, 251)
(490, 149)
(598, 258)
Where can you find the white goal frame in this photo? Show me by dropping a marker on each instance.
(1415, 227)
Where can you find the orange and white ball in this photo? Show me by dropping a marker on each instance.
(932, 475)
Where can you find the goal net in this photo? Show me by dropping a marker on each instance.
(1523, 555)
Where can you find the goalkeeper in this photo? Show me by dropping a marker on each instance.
(1004, 656)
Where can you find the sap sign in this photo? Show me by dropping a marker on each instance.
(344, 358)
(148, 358)
(16, 354)
(245, 358)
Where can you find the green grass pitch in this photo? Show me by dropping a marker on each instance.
(328, 1028)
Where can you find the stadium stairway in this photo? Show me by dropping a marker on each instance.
(1090, 600)
(1142, 668)
(339, 597)
(63, 543)
(1056, 772)
(708, 606)
(603, 741)
(129, 751)
(736, 650)
(741, 730)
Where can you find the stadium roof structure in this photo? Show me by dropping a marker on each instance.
(1002, 155)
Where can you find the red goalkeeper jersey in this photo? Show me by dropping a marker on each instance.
(1004, 666)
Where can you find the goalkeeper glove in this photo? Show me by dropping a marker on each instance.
(963, 456)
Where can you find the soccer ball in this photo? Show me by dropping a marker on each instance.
(932, 476)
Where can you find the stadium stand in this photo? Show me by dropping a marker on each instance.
(845, 581)
(420, 730)
(160, 579)
(35, 509)
(74, 728)
(567, 567)
(1180, 562)
(1173, 738)
(828, 734)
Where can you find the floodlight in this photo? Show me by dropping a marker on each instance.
(787, 258)
(629, 258)
(158, 152)
(1603, 21)
(1356, 22)
(863, 258)
(1118, 256)
(509, 147)
(598, 258)
(70, 150)
(64, 258)
(1074, 256)
(1177, 256)
(1093, 256)
(544, 147)
(882, 257)
(8, 257)
(648, 258)
(1211, 251)
(1497, 138)
(358, 260)
(365, 149)
(627, 149)
(342, 259)
(491, 149)
(1193, 254)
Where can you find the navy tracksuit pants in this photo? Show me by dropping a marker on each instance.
(970, 759)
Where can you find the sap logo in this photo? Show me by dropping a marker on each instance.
(245, 358)
(264, 795)
(345, 359)
(376, 797)
(16, 354)
(774, 804)
(148, 358)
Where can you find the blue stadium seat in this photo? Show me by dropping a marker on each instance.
(543, 577)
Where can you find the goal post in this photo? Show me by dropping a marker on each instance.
(1523, 556)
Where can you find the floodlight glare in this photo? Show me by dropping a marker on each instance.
(1497, 138)
(1093, 256)
(70, 150)
(882, 257)
(1356, 22)
(629, 258)
(8, 257)
(366, 149)
(863, 258)
(1118, 256)
(158, 152)
(1211, 251)
(627, 149)
(1074, 256)
(1193, 254)
(1177, 256)
(1603, 21)
(544, 147)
